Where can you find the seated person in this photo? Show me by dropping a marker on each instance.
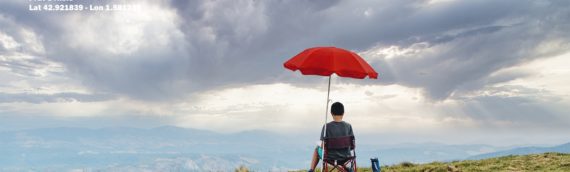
(335, 128)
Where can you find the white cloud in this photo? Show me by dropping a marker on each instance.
(26, 73)
(276, 107)
(286, 108)
(550, 74)
(394, 51)
(434, 2)
(154, 26)
(64, 109)
(7, 42)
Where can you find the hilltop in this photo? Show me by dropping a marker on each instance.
(532, 162)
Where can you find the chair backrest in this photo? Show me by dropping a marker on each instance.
(343, 142)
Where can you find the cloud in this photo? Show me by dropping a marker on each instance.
(466, 61)
(21, 50)
(187, 47)
(47, 98)
(28, 76)
(513, 111)
(218, 64)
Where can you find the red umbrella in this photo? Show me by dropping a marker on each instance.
(325, 61)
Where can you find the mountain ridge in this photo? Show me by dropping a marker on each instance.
(562, 148)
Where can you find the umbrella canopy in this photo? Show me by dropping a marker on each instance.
(325, 61)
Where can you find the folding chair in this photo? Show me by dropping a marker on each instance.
(340, 143)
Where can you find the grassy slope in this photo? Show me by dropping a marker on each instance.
(535, 162)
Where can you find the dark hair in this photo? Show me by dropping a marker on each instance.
(337, 108)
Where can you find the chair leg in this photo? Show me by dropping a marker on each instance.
(343, 169)
(351, 168)
(347, 169)
(354, 167)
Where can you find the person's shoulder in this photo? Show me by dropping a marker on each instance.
(341, 123)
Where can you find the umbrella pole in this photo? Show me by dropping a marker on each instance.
(327, 108)
(325, 126)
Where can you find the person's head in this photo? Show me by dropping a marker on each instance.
(337, 109)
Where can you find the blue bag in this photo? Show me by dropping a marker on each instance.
(375, 164)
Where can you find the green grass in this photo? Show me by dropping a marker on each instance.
(551, 162)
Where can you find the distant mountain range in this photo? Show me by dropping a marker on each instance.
(182, 149)
(158, 149)
(564, 148)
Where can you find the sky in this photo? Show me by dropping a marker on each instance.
(450, 71)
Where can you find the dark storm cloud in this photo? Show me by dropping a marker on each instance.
(232, 43)
(471, 40)
(404, 22)
(253, 38)
(243, 48)
(467, 63)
